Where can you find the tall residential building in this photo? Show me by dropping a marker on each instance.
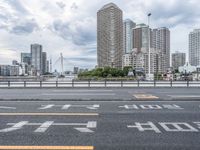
(194, 47)
(36, 58)
(44, 62)
(178, 60)
(109, 36)
(141, 37)
(128, 26)
(26, 58)
(161, 41)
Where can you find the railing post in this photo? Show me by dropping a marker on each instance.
(56, 84)
(8, 83)
(40, 83)
(154, 83)
(88, 83)
(171, 83)
(24, 83)
(138, 83)
(187, 83)
(72, 82)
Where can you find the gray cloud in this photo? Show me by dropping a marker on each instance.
(82, 59)
(16, 5)
(61, 4)
(173, 14)
(74, 6)
(24, 28)
(79, 34)
(16, 20)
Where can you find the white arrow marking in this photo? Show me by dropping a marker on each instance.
(5, 107)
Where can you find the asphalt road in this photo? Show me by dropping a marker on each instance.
(99, 94)
(101, 125)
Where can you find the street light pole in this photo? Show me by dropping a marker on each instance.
(149, 46)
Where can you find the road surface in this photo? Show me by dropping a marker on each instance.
(99, 94)
(100, 125)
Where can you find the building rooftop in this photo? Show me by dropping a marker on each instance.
(142, 25)
(195, 31)
(109, 5)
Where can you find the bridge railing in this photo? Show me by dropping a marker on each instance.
(90, 84)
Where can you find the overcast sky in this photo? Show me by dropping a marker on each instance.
(69, 26)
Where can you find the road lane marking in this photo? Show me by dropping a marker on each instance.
(80, 94)
(166, 126)
(49, 114)
(46, 148)
(44, 126)
(67, 106)
(145, 96)
(82, 91)
(81, 127)
(5, 107)
(152, 106)
(184, 96)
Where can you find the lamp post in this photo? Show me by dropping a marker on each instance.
(149, 47)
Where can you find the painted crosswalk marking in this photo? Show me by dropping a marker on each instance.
(81, 127)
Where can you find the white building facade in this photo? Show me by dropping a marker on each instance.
(128, 26)
(194, 47)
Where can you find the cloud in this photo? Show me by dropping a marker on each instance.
(61, 5)
(16, 19)
(74, 6)
(80, 32)
(170, 13)
(24, 28)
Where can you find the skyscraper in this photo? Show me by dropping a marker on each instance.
(178, 60)
(161, 42)
(141, 37)
(36, 58)
(194, 47)
(26, 58)
(44, 62)
(128, 26)
(109, 36)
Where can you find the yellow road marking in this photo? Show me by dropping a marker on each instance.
(49, 114)
(145, 96)
(46, 148)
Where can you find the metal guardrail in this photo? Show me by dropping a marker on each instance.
(89, 83)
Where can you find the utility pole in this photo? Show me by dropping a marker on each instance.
(150, 76)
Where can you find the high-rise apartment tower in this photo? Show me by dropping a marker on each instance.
(109, 36)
